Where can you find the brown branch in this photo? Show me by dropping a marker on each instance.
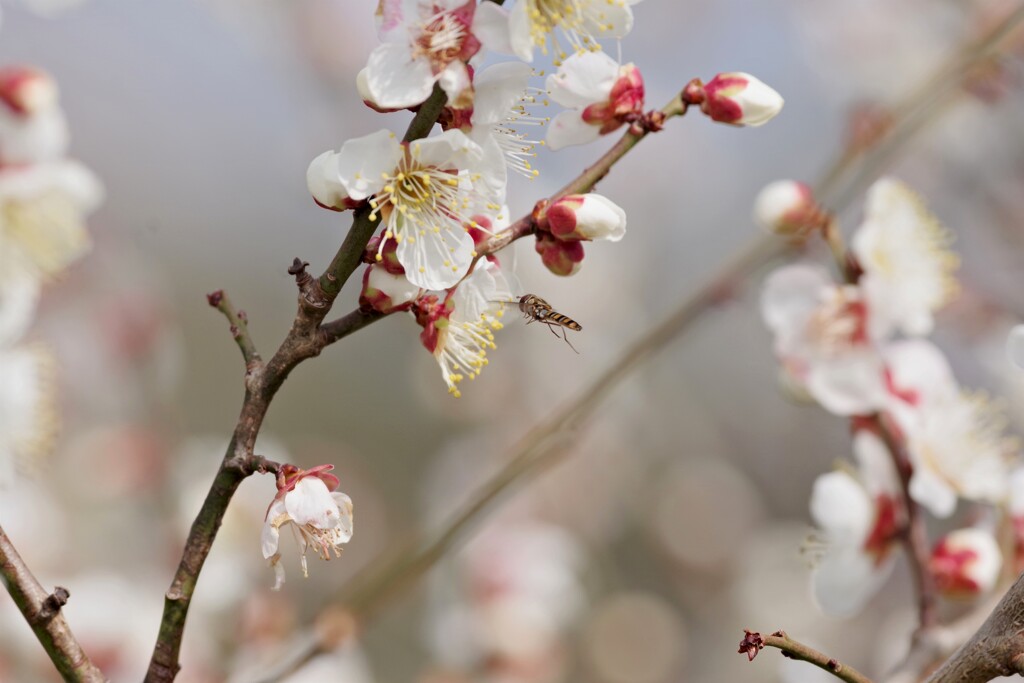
(304, 340)
(996, 649)
(754, 642)
(42, 612)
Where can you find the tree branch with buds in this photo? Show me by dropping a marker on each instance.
(753, 642)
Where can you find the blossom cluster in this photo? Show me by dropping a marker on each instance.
(44, 198)
(439, 200)
(859, 348)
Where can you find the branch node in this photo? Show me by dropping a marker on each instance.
(53, 602)
(298, 268)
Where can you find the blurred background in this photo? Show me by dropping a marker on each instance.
(678, 518)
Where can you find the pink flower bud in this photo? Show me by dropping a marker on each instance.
(324, 183)
(787, 207)
(26, 90)
(384, 292)
(740, 99)
(561, 258)
(966, 563)
(586, 217)
(625, 101)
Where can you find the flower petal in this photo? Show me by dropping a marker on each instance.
(436, 260)
(396, 79)
(841, 508)
(846, 579)
(583, 79)
(362, 161)
(311, 503)
(569, 128)
(491, 27)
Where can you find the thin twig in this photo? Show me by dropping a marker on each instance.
(42, 612)
(239, 327)
(304, 340)
(754, 642)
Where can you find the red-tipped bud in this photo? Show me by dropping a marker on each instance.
(586, 217)
(736, 98)
(787, 207)
(624, 103)
(384, 292)
(27, 91)
(561, 258)
(966, 563)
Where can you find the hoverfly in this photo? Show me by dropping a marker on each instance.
(535, 309)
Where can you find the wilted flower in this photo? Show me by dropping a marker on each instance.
(319, 516)
(736, 98)
(602, 94)
(860, 517)
(966, 563)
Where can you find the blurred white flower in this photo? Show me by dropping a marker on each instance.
(42, 211)
(1015, 346)
(602, 94)
(28, 417)
(959, 449)
(904, 253)
(519, 592)
(966, 563)
(319, 516)
(860, 517)
(822, 338)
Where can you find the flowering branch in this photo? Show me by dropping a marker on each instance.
(42, 612)
(547, 442)
(754, 642)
